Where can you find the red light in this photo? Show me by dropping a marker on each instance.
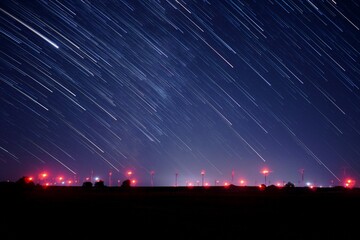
(349, 183)
(28, 179)
(43, 175)
(242, 182)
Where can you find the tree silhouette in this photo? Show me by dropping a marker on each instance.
(272, 188)
(289, 185)
(126, 183)
(25, 182)
(87, 184)
(99, 184)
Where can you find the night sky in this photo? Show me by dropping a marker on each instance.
(174, 87)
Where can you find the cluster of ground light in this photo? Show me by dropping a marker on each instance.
(46, 179)
(230, 212)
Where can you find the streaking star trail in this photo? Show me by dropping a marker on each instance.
(30, 28)
(169, 90)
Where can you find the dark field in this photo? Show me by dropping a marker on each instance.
(179, 213)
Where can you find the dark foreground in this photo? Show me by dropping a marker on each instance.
(179, 213)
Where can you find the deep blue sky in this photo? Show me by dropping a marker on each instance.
(92, 87)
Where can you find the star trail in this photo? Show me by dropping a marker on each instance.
(185, 89)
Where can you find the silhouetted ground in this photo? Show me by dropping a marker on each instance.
(179, 213)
